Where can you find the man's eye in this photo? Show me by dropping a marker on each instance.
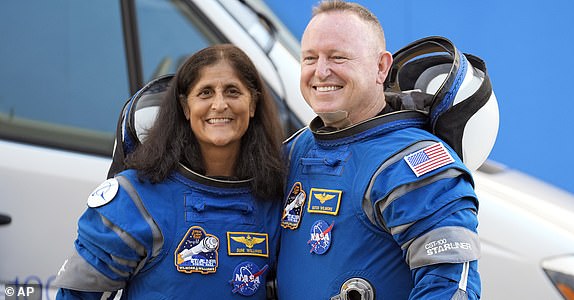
(309, 60)
(339, 59)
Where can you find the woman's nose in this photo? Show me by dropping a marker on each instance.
(219, 102)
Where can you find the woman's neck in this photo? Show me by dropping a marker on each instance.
(220, 161)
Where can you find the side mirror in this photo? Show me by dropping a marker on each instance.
(5, 219)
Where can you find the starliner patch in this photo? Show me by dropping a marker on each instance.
(324, 201)
(247, 278)
(443, 245)
(293, 207)
(247, 243)
(320, 240)
(197, 252)
(428, 159)
(104, 193)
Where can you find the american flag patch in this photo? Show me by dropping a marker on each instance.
(428, 159)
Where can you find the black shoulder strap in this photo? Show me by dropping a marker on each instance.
(118, 154)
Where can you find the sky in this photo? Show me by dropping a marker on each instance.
(528, 48)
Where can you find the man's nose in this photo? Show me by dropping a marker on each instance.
(323, 68)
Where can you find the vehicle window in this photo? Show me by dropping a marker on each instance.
(63, 71)
(63, 74)
(170, 31)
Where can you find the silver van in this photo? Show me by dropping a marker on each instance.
(68, 66)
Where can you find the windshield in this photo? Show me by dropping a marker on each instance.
(262, 24)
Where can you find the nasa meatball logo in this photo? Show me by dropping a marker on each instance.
(320, 240)
(247, 278)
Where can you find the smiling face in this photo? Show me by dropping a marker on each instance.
(219, 107)
(343, 66)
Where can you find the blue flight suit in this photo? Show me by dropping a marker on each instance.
(188, 237)
(388, 212)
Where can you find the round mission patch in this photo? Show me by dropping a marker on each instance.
(104, 193)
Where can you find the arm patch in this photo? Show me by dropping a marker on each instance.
(451, 244)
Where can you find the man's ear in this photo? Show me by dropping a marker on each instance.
(385, 62)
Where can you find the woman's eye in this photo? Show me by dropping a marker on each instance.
(234, 92)
(205, 93)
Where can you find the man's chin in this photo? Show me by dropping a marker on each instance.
(338, 119)
(324, 107)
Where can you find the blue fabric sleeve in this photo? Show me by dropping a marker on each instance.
(113, 243)
(442, 282)
(101, 246)
(448, 276)
(436, 226)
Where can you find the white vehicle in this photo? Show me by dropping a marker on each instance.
(67, 67)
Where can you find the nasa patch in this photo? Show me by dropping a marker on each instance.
(320, 240)
(247, 278)
(197, 252)
(104, 193)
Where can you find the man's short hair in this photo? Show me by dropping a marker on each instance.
(355, 8)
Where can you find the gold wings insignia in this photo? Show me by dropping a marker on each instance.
(324, 197)
(249, 241)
